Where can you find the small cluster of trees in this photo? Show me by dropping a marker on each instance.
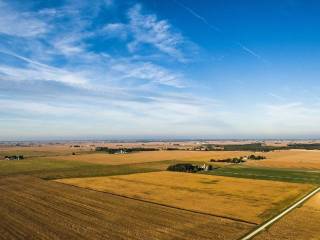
(188, 167)
(258, 147)
(229, 160)
(124, 150)
(254, 147)
(307, 146)
(254, 157)
(75, 146)
(240, 159)
(182, 167)
(172, 149)
(14, 157)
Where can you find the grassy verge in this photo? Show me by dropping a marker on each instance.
(269, 174)
(281, 206)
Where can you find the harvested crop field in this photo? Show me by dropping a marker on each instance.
(302, 223)
(141, 157)
(55, 169)
(31, 208)
(248, 200)
(41, 151)
(291, 159)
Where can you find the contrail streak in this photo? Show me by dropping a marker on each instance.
(248, 50)
(212, 27)
(196, 15)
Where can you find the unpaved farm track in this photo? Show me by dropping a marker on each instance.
(31, 208)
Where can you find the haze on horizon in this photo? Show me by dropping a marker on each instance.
(151, 68)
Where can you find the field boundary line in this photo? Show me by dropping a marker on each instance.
(261, 175)
(163, 205)
(280, 215)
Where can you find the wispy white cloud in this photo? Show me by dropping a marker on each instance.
(110, 71)
(291, 112)
(69, 45)
(147, 71)
(277, 97)
(289, 118)
(87, 69)
(119, 30)
(21, 24)
(35, 71)
(147, 29)
(105, 89)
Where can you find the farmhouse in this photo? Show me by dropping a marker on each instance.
(188, 167)
(121, 151)
(204, 167)
(14, 157)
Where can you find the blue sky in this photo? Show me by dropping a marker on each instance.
(172, 69)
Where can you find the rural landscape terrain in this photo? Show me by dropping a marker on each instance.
(159, 120)
(145, 190)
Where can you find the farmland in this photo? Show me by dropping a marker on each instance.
(31, 208)
(290, 159)
(41, 150)
(273, 174)
(223, 196)
(284, 159)
(159, 120)
(141, 157)
(302, 223)
(114, 189)
(54, 169)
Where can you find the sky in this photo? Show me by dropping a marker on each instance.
(109, 69)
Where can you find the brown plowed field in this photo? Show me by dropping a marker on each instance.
(31, 208)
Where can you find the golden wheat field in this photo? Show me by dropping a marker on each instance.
(154, 156)
(31, 208)
(249, 200)
(292, 159)
(302, 223)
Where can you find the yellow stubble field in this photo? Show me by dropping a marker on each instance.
(291, 159)
(41, 150)
(249, 200)
(153, 156)
(302, 223)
